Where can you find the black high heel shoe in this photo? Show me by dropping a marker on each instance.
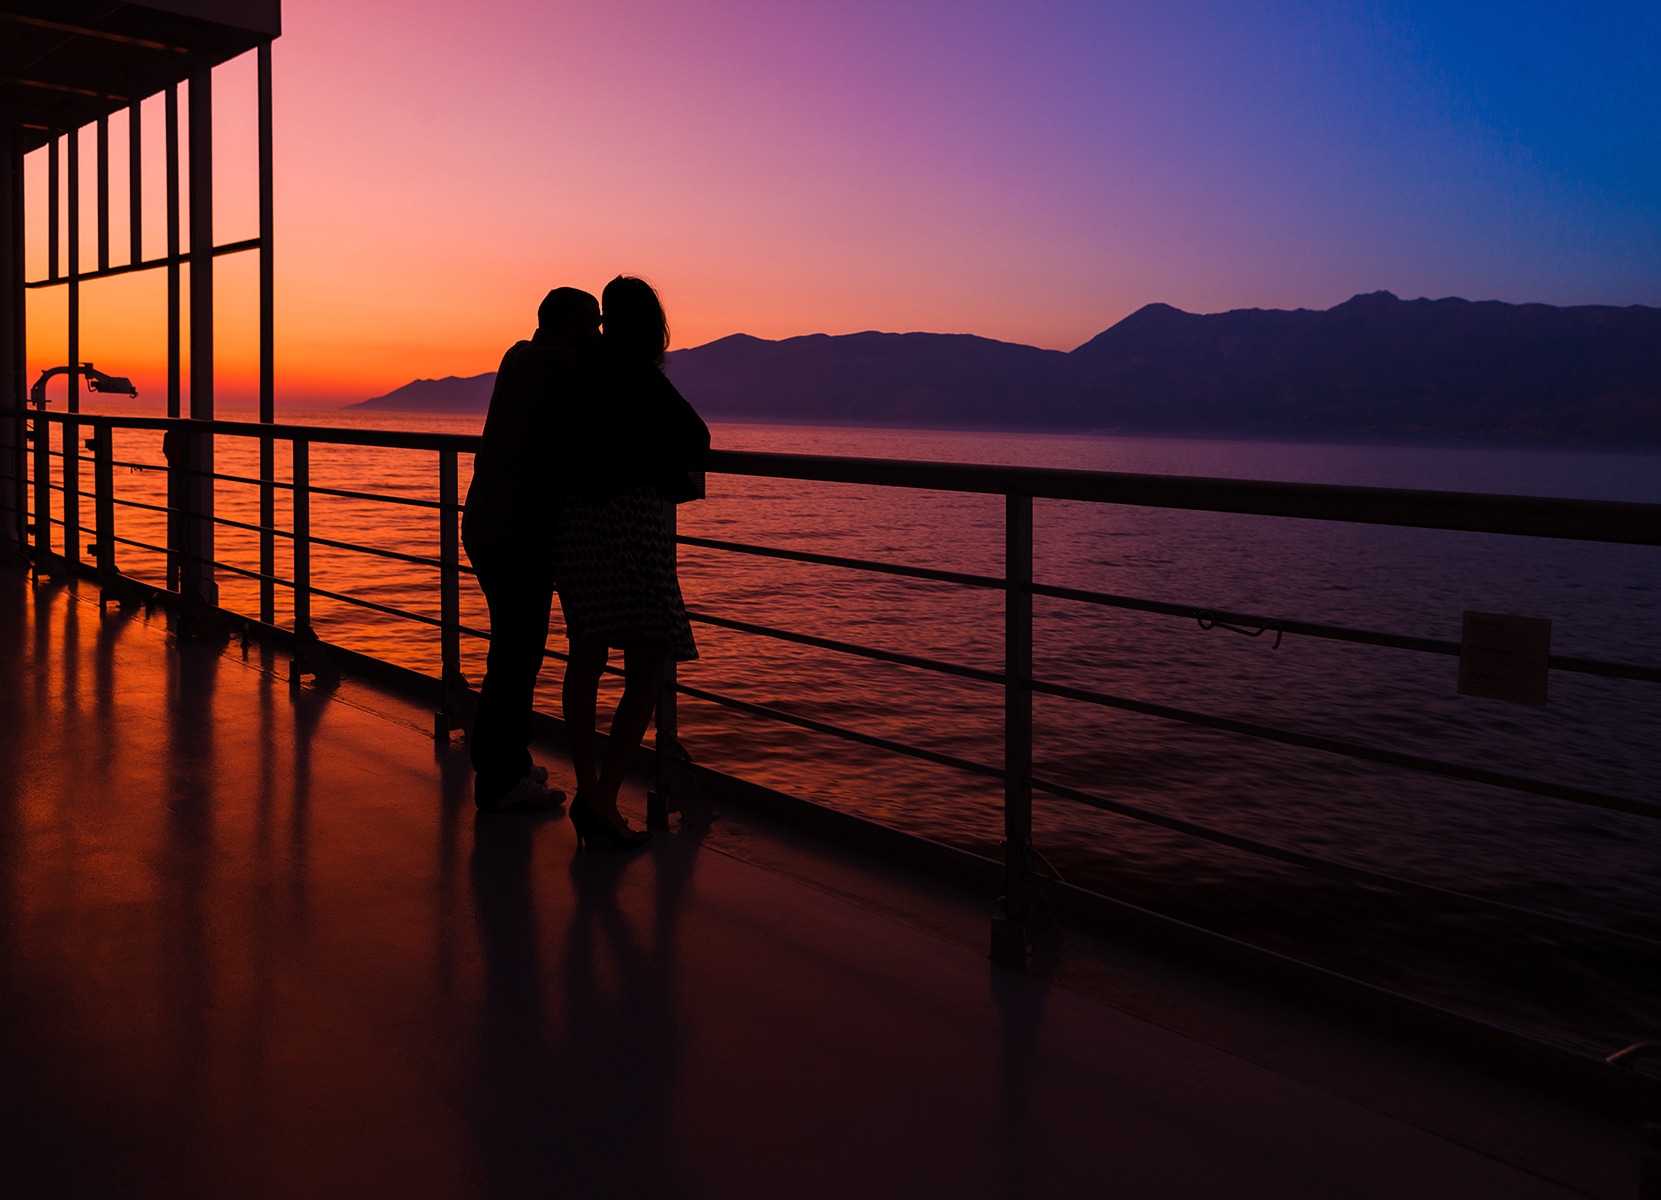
(594, 832)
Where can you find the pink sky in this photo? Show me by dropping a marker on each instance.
(1027, 172)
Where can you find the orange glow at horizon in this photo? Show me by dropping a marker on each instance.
(1029, 173)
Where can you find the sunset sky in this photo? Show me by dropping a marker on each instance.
(1032, 172)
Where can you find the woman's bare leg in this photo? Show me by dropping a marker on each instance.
(642, 677)
(579, 696)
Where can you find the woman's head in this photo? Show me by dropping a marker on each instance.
(633, 319)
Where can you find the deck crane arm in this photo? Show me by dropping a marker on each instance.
(97, 381)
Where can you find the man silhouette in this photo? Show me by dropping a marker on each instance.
(508, 530)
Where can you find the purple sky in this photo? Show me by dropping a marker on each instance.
(1026, 171)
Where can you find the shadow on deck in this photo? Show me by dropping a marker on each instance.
(257, 943)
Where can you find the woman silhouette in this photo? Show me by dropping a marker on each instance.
(636, 448)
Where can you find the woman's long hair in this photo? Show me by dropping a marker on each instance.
(635, 326)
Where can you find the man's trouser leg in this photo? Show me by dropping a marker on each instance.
(520, 595)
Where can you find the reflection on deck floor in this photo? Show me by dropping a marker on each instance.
(257, 944)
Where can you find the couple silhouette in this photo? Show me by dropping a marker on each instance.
(585, 444)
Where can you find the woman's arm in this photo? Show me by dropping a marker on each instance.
(685, 436)
(682, 444)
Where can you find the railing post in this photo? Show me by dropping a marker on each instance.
(103, 481)
(1010, 931)
(184, 464)
(310, 658)
(18, 468)
(302, 539)
(172, 449)
(17, 487)
(71, 466)
(268, 524)
(452, 683)
(667, 741)
(43, 489)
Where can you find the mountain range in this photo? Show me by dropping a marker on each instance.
(1374, 367)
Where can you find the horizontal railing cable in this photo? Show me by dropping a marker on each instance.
(1228, 724)
(246, 572)
(147, 507)
(383, 608)
(119, 540)
(315, 539)
(399, 555)
(1346, 870)
(211, 562)
(1395, 758)
(251, 482)
(835, 560)
(1277, 625)
(245, 525)
(852, 735)
(1178, 825)
(217, 520)
(1343, 633)
(852, 648)
(377, 497)
(316, 489)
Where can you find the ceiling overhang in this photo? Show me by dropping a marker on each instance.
(65, 63)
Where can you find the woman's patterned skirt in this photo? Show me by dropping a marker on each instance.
(614, 566)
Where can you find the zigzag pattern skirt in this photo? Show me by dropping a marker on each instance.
(614, 566)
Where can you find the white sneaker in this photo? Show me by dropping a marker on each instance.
(525, 796)
(538, 775)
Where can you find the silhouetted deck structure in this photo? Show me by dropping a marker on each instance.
(255, 942)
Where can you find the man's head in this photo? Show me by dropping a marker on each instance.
(570, 316)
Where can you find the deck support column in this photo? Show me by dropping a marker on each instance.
(174, 290)
(175, 488)
(53, 175)
(103, 193)
(14, 463)
(198, 573)
(71, 460)
(268, 387)
(135, 186)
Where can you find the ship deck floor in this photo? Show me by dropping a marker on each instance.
(257, 943)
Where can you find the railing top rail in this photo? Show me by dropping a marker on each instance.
(1534, 516)
(1538, 516)
(391, 439)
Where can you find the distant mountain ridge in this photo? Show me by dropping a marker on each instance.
(1374, 367)
(453, 393)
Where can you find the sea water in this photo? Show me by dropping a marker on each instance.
(1592, 865)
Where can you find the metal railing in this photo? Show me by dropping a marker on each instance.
(28, 473)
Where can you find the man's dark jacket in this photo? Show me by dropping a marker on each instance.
(513, 500)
